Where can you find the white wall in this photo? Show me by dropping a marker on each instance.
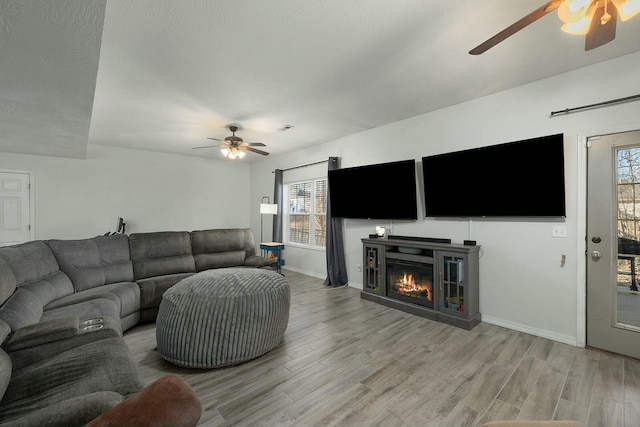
(523, 284)
(77, 198)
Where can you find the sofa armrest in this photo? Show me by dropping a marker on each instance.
(168, 402)
(42, 333)
(64, 328)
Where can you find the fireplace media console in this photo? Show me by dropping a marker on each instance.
(432, 278)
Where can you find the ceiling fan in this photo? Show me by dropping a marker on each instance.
(594, 18)
(233, 147)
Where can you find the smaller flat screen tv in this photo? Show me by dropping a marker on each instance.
(378, 191)
(517, 179)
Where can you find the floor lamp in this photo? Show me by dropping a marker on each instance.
(266, 209)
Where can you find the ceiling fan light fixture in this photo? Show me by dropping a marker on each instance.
(573, 10)
(232, 153)
(627, 9)
(581, 26)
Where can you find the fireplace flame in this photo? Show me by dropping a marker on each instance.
(407, 285)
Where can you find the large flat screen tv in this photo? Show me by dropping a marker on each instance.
(379, 191)
(517, 179)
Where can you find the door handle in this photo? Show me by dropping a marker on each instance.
(596, 255)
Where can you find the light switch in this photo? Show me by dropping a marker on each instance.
(559, 231)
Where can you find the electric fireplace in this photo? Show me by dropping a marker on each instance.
(423, 276)
(410, 281)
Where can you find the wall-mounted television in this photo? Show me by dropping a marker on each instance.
(378, 191)
(516, 179)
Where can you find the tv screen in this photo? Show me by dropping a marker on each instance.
(517, 179)
(379, 191)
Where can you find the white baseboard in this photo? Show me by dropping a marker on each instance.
(355, 285)
(305, 272)
(566, 339)
(322, 277)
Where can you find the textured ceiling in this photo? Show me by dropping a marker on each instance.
(49, 55)
(172, 73)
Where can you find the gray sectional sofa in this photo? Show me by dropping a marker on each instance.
(64, 305)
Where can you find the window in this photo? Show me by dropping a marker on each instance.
(629, 193)
(307, 213)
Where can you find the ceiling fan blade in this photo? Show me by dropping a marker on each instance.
(204, 146)
(255, 150)
(599, 34)
(215, 139)
(516, 26)
(255, 144)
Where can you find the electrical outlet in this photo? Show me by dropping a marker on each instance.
(559, 231)
(360, 269)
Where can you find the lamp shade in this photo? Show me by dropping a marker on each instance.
(268, 209)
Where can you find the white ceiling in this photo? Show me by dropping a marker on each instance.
(163, 75)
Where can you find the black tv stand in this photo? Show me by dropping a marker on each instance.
(448, 271)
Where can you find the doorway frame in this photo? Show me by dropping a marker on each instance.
(32, 199)
(583, 137)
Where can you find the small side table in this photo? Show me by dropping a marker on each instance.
(276, 249)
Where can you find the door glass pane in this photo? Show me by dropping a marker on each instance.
(453, 284)
(628, 215)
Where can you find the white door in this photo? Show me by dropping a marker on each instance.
(14, 208)
(613, 243)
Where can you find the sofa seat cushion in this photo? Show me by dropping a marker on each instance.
(100, 366)
(125, 294)
(161, 253)
(94, 262)
(152, 288)
(26, 350)
(95, 307)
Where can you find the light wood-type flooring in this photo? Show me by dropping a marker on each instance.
(345, 361)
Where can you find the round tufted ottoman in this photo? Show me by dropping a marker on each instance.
(222, 317)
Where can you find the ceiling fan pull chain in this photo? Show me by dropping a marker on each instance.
(606, 17)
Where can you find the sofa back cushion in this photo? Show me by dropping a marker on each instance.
(7, 281)
(222, 247)
(161, 253)
(22, 309)
(94, 262)
(35, 268)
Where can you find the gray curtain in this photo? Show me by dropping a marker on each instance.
(336, 265)
(277, 199)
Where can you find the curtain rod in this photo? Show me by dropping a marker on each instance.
(596, 105)
(303, 166)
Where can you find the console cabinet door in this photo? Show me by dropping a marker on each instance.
(374, 269)
(453, 286)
